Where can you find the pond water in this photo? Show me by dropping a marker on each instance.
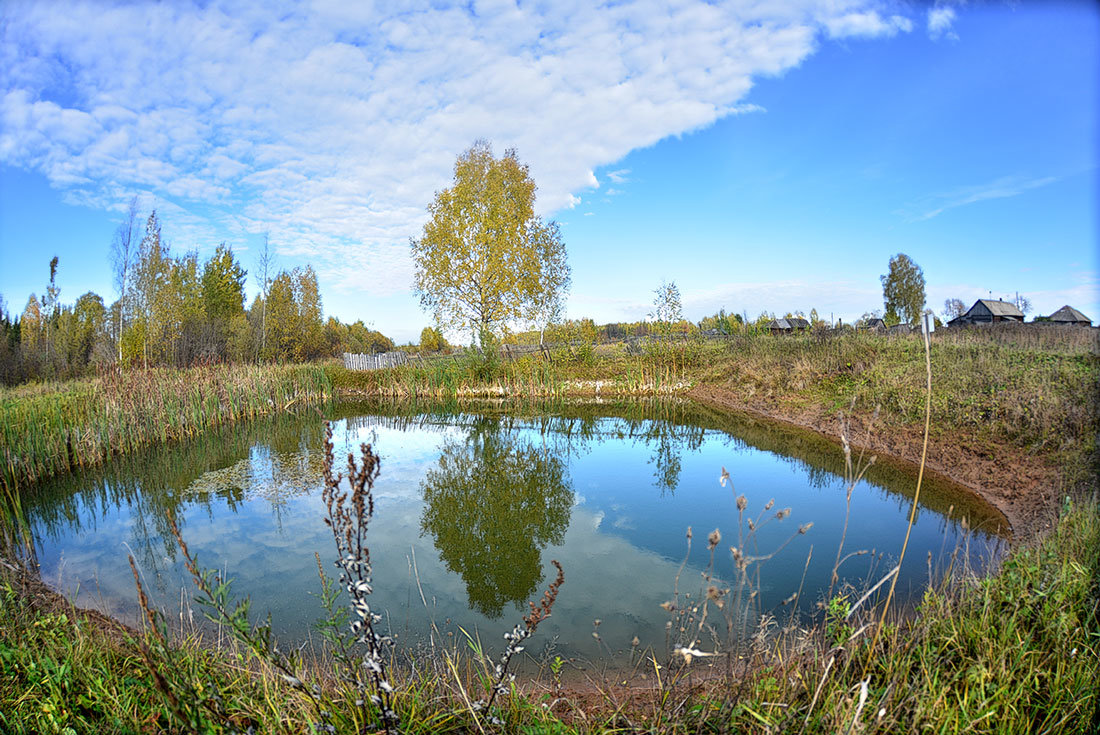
(474, 501)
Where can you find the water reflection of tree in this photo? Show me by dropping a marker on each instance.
(492, 504)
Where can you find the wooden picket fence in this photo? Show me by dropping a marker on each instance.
(396, 358)
(375, 362)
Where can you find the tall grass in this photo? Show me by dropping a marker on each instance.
(1033, 386)
(48, 428)
(1039, 392)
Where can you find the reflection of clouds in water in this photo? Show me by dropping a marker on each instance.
(624, 523)
(406, 454)
(610, 579)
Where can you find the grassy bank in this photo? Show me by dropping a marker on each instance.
(1031, 388)
(48, 428)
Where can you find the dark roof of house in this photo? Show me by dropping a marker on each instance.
(1068, 314)
(998, 308)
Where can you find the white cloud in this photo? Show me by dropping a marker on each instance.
(619, 176)
(867, 24)
(940, 21)
(1001, 188)
(330, 125)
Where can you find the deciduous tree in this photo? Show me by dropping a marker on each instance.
(485, 259)
(431, 340)
(150, 275)
(903, 290)
(953, 308)
(667, 308)
(122, 260)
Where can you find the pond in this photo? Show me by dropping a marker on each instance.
(474, 501)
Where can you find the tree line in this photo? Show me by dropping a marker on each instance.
(174, 310)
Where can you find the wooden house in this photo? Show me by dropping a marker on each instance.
(988, 311)
(1069, 316)
(788, 325)
(874, 324)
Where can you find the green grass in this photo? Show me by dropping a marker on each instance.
(1016, 652)
(1033, 388)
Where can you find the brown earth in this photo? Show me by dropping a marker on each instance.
(1022, 486)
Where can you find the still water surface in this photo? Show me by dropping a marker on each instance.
(473, 503)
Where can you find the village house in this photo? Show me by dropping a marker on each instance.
(874, 324)
(1069, 316)
(788, 325)
(988, 311)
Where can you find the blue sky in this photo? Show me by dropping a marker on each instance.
(765, 156)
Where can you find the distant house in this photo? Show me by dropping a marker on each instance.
(874, 324)
(899, 329)
(788, 325)
(1068, 315)
(988, 311)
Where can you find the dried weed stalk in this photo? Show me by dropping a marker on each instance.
(349, 512)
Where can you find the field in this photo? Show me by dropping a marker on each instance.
(1014, 415)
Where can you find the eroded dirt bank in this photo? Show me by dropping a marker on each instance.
(1021, 486)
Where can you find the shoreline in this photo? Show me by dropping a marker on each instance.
(1003, 476)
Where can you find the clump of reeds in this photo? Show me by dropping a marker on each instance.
(50, 428)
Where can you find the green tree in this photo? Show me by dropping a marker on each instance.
(89, 318)
(431, 340)
(903, 290)
(147, 289)
(484, 258)
(667, 309)
(310, 338)
(179, 315)
(222, 285)
(282, 318)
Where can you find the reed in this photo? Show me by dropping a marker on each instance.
(49, 428)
